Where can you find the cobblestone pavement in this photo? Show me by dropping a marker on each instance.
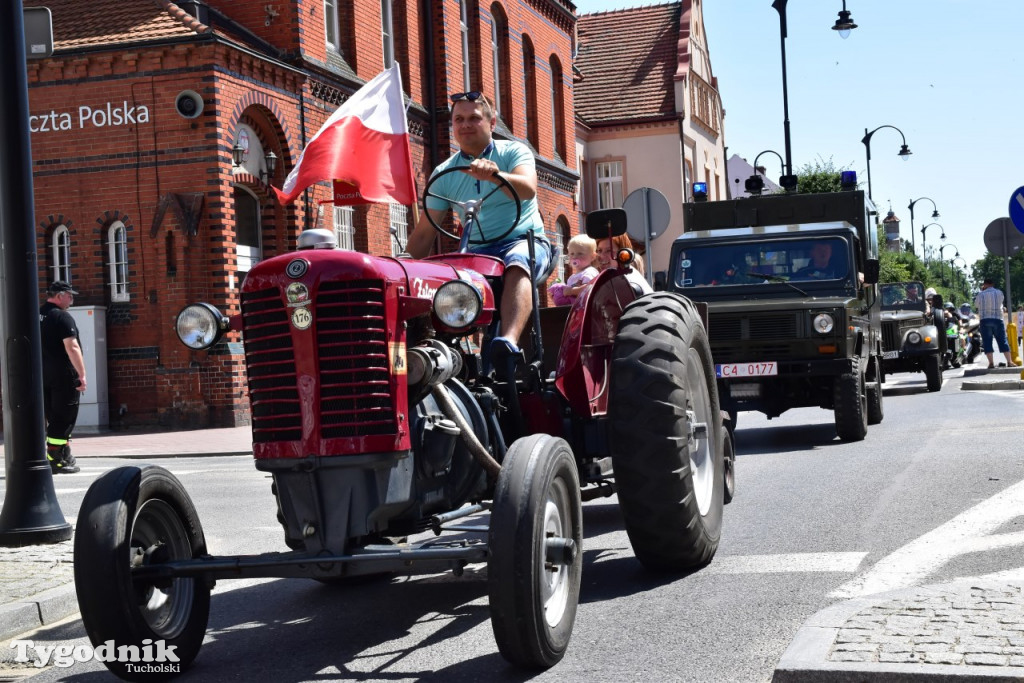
(34, 569)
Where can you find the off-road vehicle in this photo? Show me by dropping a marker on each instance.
(913, 332)
(793, 312)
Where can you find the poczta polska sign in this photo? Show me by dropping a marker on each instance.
(103, 116)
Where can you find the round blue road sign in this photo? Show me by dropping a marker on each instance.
(1017, 208)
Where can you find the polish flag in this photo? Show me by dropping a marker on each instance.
(365, 144)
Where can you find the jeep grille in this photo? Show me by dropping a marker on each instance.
(738, 337)
(891, 337)
(352, 354)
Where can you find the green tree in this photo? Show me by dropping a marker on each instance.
(820, 176)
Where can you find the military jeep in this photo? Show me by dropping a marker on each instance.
(913, 333)
(793, 312)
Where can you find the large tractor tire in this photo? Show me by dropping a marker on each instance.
(665, 432)
(851, 406)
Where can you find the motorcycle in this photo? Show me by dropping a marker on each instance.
(955, 344)
(972, 337)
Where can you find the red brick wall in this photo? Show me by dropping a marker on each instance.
(91, 175)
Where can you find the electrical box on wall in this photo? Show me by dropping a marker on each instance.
(93, 406)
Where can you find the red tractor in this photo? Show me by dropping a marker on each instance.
(379, 419)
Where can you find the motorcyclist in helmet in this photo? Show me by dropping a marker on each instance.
(965, 311)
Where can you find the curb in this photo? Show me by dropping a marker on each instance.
(38, 610)
(159, 456)
(993, 385)
(806, 658)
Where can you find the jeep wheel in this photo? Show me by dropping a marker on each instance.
(851, 407)
(875, 411)
(665, 433)
(933, 371)
(536, 556)
(729, 459)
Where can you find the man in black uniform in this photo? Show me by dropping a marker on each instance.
(63, 375)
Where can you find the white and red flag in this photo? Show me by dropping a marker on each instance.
(364, 144)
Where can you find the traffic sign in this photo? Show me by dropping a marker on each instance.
(1001, 239)
(1017, 208)
(647, 214)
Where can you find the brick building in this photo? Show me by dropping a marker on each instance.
(136, 116)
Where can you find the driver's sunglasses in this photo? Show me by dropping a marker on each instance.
(471, 96)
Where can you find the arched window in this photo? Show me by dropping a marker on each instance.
(117, 261)
(248, 242)
(530, 81)
(61, 246)
(557, 107)
(562, 237)
(464, 33)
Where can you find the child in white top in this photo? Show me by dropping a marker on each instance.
(582, 254)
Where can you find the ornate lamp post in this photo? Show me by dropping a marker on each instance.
(904, 152)
(924, 250)
(935, 214)
(843, 25)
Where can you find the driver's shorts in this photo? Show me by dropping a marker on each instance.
(516, 254)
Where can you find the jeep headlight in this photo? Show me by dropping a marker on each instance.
(457, 304)
(914, 337)
(823, 323)
(200, 326)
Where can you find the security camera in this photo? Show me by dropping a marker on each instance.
(188, 104)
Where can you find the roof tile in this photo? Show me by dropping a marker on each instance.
(79, 24)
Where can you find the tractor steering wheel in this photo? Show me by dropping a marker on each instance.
(472, 207)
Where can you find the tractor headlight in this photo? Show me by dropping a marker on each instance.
(457, 304)
(823, 323)
(200, 326)
(914, 337)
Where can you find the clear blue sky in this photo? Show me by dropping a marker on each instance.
(942, 71)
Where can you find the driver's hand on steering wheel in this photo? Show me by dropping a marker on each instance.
(481, 169)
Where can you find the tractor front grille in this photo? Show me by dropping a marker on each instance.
(351, 352)
(352, 341)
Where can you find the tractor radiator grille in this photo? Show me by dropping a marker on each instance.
(352, 340)
(270, 363)
(352, 357)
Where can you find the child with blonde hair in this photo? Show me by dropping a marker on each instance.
(582, 254)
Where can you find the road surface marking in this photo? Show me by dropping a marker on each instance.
(969, 532)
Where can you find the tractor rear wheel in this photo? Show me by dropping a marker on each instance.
(665, 432)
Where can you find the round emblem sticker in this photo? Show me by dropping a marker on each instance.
(297, 293)
(302, 318)
(297, 268)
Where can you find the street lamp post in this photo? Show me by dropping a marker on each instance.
(924, 249)
(843, 25)
(935, 214)
(755, 184)
(904, 152)
(942, 254)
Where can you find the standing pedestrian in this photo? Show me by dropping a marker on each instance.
(63, 375)
(989, 304)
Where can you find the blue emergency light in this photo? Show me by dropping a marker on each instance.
(700, 192)
(848, 180)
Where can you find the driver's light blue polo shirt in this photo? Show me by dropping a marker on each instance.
(498, 212)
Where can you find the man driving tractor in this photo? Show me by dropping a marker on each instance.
(484, 160)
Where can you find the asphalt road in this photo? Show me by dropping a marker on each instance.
(815, 521)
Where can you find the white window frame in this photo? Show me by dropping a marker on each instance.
(61, 247)
(464, 31)
(332, 24)
(247, 255)
(496, 59)
(562, 256)
(609, 179)
(387, 30)
(117, 251)
(345, 227)
(399, 215)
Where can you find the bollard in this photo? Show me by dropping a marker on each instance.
(1011, 337)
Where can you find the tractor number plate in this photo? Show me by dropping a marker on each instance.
(763, 369)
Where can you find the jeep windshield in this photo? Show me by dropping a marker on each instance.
(796, 263)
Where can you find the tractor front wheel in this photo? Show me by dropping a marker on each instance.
(535, 541)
